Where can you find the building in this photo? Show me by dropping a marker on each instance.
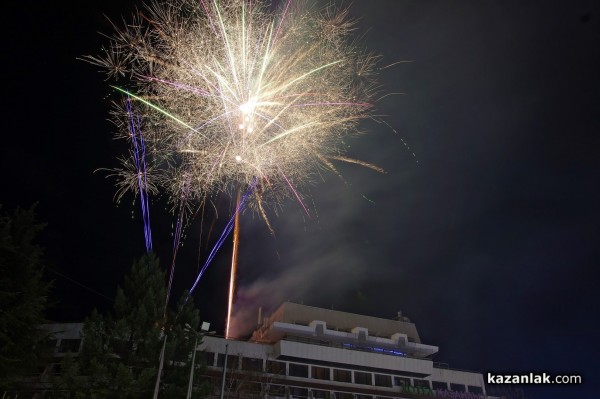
(59, 339)
(303, 352)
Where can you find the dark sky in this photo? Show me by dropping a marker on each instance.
(488, 237)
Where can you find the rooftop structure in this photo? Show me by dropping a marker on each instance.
(348, 330)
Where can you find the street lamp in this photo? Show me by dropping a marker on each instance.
(204, 330)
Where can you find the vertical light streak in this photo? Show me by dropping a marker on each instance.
(176, 241)
(139, 159)
(230, 54)
(234, 260)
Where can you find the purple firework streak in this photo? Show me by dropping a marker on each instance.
(224, 235)
(139, 158)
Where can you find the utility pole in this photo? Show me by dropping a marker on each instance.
(189, 392)
(160, 367)
(224, 371)
(204, 328)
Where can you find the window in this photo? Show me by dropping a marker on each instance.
(69, 345)
(298, 370)
(251, 387)
(401, 381)
(206, 358)
(362, 378)
(297, 392)
(320, 373)
(343, 395)
(56, 368)
(275, 367)
(342, 375)
(421, 383)
(276, 390)
(50, 344)
(474, 389)
(39, 370)
(220, 360)
(318, 394)
(359, 396)
(457, 387)
(252, 364)
(439, 385)
(383, 380)
(232, 361)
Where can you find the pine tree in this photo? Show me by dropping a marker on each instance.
(23, 297)
(120, 351)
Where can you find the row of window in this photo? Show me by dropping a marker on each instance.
(282, 391)
(64, 345)
(306, 393)
(332, 374)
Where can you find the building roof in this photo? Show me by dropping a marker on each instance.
(341, 328)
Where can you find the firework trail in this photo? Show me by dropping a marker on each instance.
(139, 159)
(233, 95)
(236, 242)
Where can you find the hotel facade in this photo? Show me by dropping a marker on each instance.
(306, 352)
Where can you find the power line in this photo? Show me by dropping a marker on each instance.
(78, 283)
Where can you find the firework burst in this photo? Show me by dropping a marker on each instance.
(230, 92)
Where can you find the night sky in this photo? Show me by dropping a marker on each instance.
(487, 237)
